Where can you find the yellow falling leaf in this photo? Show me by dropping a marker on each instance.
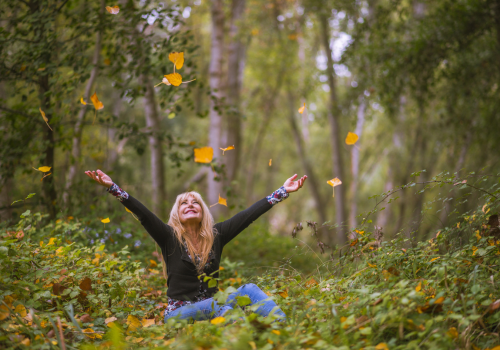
(21, 310)
(105, 221)
(203, 155)
(127, 210)
(113, 9)
(148, 322)
(418, 288)
(133, 323)
(44, 176)
(302, 109)
(43, 169)
(217, 320)
(45, 118)
(95, 100)
(334, 182)
(82, 101)
(175, 79)
(222, 201)
(177, 58)
(270, 162)
(227, 149)
(351, 138)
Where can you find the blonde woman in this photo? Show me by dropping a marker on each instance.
(191, 232)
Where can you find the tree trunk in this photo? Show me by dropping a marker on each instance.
(312, 181)
(76, 149)
(355, 164)
(333, 113)
(153, 124)
(236, 65)
(216, 86)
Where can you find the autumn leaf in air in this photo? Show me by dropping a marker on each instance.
(334, 182)
(113, 9)
(270, 162)
(177, 58)
(43, 169)
(82, 101)
(95, 100)
(302, 109)
(105, 221)
(175, 79)
(227, 149)
(351, 138)
(203, 155)
(222, 201)
(45, 118)
(44, 176)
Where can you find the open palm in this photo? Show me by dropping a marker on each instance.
(100, 177)
(291, 186)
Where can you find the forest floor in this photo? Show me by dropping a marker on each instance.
(441, 293)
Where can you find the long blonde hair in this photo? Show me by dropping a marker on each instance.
(207, 234)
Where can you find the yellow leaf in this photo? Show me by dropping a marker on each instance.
(227, 149)
(105, 221)
(44, 169)
(253, 345)
(175, 79)
(334, 182)
(302, 109)
(21, 310)
(26, 342)
(217, 320)
(45, 118)
(203, 155)
(4, 312)
(95, 100)
(113, 9)
(270, 162)
(275, 331)
(484, 206)
(351, 138)
(382, 346)
(110, 320)
(439, 300)
(51, 241)
(82, 101)
(372, 265)
(148, 322)
(222, 201)
(418, 288)
(133, 323)
(283, 294)
(360, 232)
(452, 332)
(153, 263)
(478, 236)
(434, 259)
(126, 209)
(177, 58)
(474, 250)
(59, 251)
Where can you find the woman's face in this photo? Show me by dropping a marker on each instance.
(190, 210)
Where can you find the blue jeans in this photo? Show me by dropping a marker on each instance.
(209, 308)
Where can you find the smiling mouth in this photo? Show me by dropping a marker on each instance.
(190, 211)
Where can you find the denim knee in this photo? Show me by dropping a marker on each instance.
(249, 286)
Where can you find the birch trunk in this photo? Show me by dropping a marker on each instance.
(76, 150)
(216, 86)
(338, 166)
(355, 150)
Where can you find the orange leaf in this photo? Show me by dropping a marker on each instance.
(177, 58)
(86, 284)
(439, 300)
(284, 294)
(334, 182)
(351, 138)
(45, 118)
(133, 323)
(418, 288)
(222, 201)
(270, 162)
(353, 243)
(203, 155)
(227, 149)
(382, 346)
(302, 109)
(311, 282)
(148, 322)
(4, 312)
(175, 79)
(113, 9)
(95, 100)
(45, 176)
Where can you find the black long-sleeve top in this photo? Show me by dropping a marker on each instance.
(182, 277)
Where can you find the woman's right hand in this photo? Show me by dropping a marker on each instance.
(100, 177)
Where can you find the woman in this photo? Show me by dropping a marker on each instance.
(190, 232)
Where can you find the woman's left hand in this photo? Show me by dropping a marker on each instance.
(291, 186)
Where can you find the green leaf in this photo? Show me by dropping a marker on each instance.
(243, 300)
(212, 283)
(26, 213)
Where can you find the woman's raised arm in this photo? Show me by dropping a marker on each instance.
(148, 219)
(232, 227)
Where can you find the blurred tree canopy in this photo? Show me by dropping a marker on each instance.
(417, 81)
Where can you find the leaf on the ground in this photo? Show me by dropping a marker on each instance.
(217, 320)
(452, 332)
(133, 323)
(478, 236)
(203, 154)
(45, 118)
(439, 300)
(82, 101)
(302, 109)
(177, 58)
(275, 331)
(270, 162)
(372, 265)
(382, 346)
(227, 149)
(4, 312)
(283, 294)
(311, 282)
(351, 138)
(95, 101)
(113, 9)
(105, 221)
(86, 284)
(52, 241)
(148, 322)
(174, 78)
(418, 288)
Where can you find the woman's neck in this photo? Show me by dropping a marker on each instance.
(192, 231)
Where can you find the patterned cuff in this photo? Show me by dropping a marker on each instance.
(118, 192)
(277, 196)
